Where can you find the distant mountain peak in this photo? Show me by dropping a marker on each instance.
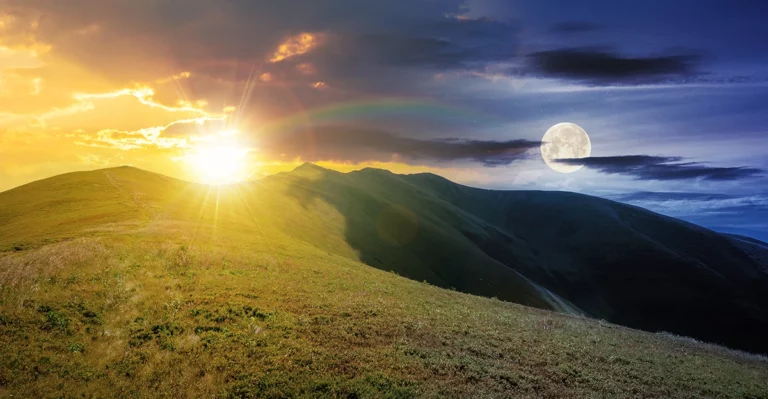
(309, 166)
(310, 171)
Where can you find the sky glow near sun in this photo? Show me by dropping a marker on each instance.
(219, 164)
(57, 115)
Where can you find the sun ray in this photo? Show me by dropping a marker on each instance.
(216, 213)
(259, 228)
(201, 214)
(245, 98)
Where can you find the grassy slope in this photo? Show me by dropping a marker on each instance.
(396, 227)
(168, 297)
(627, 264)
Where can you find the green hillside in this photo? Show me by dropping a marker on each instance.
(626, 264)
(552, 250)
(124, 283)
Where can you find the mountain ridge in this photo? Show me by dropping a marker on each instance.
(125, 283)
(638, 225)
(553, 250)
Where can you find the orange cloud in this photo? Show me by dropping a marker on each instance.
(320, 86)
(132, 107)
(183, 75)
(122, 140)
(296, 45)
(178, 134)
(145, 95)
(306, 68)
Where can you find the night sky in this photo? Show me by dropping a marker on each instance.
(673, 94)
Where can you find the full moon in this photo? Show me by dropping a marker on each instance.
(562, 141)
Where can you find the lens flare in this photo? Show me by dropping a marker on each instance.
(220, 164)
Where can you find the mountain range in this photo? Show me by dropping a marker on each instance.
(585, 257)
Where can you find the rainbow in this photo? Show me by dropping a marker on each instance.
(395, 108)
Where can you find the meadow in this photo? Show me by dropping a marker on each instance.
(121, 283)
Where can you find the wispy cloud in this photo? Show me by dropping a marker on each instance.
(179, 76)
(145, 95)
(179, 134)
(693, 203)
(646, 167)
(347, 144)
(740, 214)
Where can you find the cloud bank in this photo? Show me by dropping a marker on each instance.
(646, 167)
(604, 67)
(357, 145)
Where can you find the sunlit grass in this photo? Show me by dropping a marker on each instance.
(102, 317)
(216, 292)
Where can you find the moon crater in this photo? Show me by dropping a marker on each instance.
(565, 141)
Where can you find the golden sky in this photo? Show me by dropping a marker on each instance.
(76, 95)
(60, 114)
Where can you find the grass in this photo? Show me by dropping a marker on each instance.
(178, 300)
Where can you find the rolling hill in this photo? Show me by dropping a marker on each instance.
(121, 282)
(576, 253)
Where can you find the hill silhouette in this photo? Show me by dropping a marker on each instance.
(121, 282)
(576, 253)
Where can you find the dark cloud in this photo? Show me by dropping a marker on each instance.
(405, 61)
(330, 143)
(412, 50)
(604, 67)
(646, 167)
(367, 49)
(570, 27)
(204, 34)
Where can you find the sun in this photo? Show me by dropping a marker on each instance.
(219, 164)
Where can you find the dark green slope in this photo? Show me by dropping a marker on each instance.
(397, 227)
(626, 264)
(612, 261)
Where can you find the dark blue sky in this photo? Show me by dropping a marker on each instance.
(712, 112)
(719, 121)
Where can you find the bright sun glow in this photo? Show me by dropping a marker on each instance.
(222, 164)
